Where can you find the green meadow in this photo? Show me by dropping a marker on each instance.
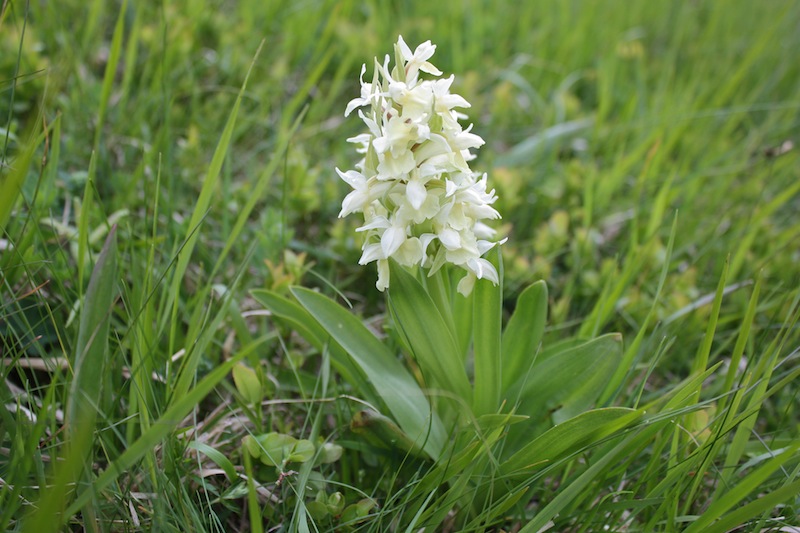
(189, 342)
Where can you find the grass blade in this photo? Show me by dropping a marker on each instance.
(91, 348)
(89, 375)
(747, 512)
(11, 181)
(747, 485)
(204, 200)
(110, 72)
(157, 432)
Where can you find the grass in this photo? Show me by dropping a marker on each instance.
(645, 158)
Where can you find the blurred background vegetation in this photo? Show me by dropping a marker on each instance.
(605, 123)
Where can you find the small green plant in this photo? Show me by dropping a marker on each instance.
(478, 388)
(144, 388)
(495, 409)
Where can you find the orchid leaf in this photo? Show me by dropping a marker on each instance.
(382, 431)
(486, 341)
(567, 383)
(391, 380)
(524, 331)
(426, 333)
(570, 437)
(303, 323)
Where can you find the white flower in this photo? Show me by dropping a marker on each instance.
(367, 94)
(422, 204)
(356, 200)
(399, 135)
(417, 102)
(418, 60)
(393, 167)
(393, 237)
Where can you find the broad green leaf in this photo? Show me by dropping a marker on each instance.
(524, 331)
(356, 512)
(391, 380)
(569, 382)
(427, 334)
(555, 348)
(462, 309)
(247, 383)
(570, 437)
(303, 323)
(487, 323)
(302, 451)
(329, 453)
(382, 431)
(317, 510)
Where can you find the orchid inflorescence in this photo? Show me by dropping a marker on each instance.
(422, 204)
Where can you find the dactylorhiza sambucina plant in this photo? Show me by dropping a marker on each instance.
(425, 224)
(483, 399)
(422, 204)
(492, 407)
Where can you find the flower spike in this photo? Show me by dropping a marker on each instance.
(421, 202)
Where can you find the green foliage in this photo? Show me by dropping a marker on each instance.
(278, 449)
(417, 318)
(391, 381)
(645, 159)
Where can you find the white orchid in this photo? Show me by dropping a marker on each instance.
(418, 60)
(422, 204)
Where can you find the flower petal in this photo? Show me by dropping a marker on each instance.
(383, 275)
(416, 193)
(372, 252)
(392, 239)
(450, 238)
(466, 284)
